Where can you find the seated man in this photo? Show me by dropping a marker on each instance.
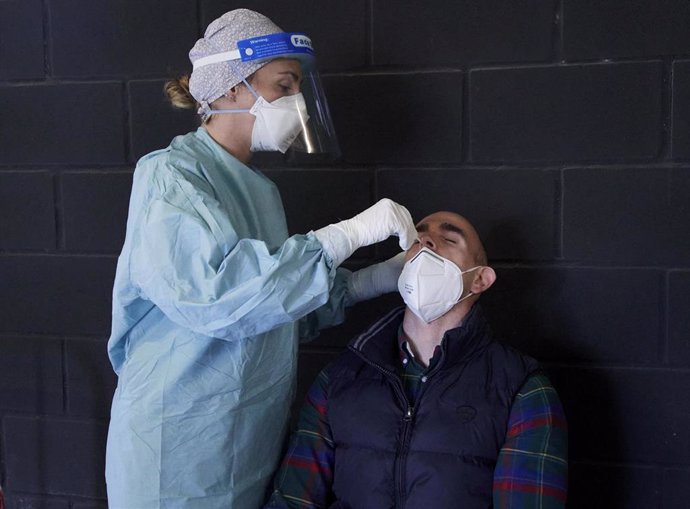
(425, 410)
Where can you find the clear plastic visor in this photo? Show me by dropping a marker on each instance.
(317, 135)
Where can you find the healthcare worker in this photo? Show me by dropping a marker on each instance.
(211, 294)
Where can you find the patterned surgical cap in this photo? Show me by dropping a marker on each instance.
(209, 82)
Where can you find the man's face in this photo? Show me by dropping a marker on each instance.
(450, 236)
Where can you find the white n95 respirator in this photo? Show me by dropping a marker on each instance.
(277, 123)
(431, 285)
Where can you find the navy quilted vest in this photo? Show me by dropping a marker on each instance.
(439, 453)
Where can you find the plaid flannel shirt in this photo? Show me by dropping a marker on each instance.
(531, 470)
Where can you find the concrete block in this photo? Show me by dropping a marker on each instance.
(598, 29)
(75, 123)
(681, 110)
(93, 38)
(626, 415)
(607, 112)
(90, 505)
(427, 34)
(628, 486)
(31, 375)
(62, 295)
(579, 315)
(397, 118)
(676, 488)
(90, 380)
(95, 210)
(28, 502)
(27, 211)
(679, 319)
(21, 50)
(626, 216)
(50, 456)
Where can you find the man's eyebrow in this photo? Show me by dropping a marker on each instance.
(449, 227)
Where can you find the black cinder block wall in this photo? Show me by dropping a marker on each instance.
(561, 128)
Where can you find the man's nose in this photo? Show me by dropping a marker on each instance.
(427, 241)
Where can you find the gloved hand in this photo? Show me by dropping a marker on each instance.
(377, 223)
(376, 279)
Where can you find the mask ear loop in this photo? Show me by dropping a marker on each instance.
(206, 108)
(465, 272)
(244, 80)
(465, 297)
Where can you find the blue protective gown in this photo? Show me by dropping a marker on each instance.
(204, 337)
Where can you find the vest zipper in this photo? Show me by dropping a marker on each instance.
(401, 454)
(401, 458)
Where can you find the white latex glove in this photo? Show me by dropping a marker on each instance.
(376, 279)
(375, 224)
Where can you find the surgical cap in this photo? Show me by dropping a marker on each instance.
(209, 82)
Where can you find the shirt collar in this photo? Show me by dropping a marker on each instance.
(459, 342)
(407, 355)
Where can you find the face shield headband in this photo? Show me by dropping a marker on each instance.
(317, 135)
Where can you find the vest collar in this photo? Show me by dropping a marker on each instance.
(465, 341)
(379, 343)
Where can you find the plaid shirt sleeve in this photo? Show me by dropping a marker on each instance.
(305, 476)
(532, 466)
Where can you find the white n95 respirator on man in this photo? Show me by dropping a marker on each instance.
(431, 285)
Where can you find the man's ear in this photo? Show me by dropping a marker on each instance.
(484, 278)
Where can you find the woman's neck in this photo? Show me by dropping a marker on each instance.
(223, 132)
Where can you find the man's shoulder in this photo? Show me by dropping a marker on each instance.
(507, 367)
(382, 330)
(502, 352)
(374, 341)
(343, 362)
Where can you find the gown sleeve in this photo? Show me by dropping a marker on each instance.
(332, 313)
(190, 262)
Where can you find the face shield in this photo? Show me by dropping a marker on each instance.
(316, 135)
